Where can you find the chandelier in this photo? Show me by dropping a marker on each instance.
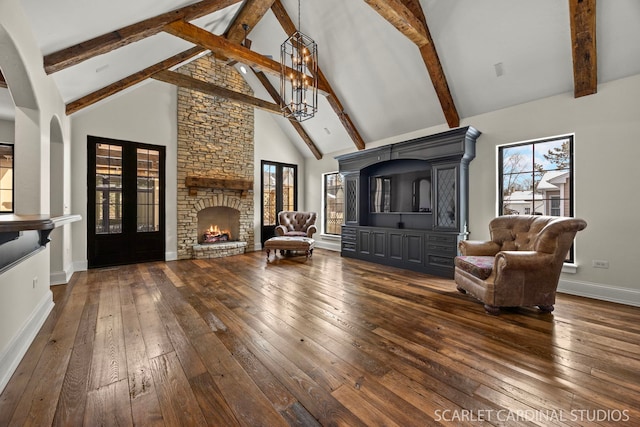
(299, 76)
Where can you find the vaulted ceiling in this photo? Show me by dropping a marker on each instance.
(387, 67)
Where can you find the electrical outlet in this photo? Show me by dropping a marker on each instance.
(599, 263)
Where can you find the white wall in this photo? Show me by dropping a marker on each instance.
(25, 302)
(145, 114)
(606, 174)
(7, 131)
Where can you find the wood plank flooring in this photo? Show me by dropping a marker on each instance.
(327, 341)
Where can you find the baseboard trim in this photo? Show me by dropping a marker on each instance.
(10, 357)
(600, 291)
(171, 256)
(329, 245)
(60, 277)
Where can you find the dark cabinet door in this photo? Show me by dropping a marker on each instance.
(446, 212)
(406, 247)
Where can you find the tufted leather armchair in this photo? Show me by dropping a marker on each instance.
(295, 223)
(520, 266)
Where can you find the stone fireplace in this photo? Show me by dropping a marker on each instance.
(215, 165)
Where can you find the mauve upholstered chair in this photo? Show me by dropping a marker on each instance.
(296, 223)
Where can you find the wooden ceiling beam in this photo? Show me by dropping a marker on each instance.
(403, 18)
(131, 80)
(105, 43)
(582, 15)
(250, 14)
(408, 17)
(191, 83)
(289, 27)
(221, 46)
(296, 125)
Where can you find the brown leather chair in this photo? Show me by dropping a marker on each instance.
(520, 266)
(296, 223)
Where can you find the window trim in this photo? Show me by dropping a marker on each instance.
(323, 205)
(570, 261)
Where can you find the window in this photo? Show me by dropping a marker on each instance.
(6, 178)
(536, 177)
(108, 189)
(333, 196)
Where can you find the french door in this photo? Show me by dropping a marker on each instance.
(125, 202)
(279, 193)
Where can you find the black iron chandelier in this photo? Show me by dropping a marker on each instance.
(299, 76)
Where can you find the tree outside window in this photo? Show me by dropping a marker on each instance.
(6, 178)
(333, 194)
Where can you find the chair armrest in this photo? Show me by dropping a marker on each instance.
(281, 230)
(478, 248)
(523, 260)
(310, 230)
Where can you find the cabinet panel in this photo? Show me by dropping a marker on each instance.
(413, 245)
(364, 242)
(378, 243)
(395, 245)
(446, 200)
(351, 183)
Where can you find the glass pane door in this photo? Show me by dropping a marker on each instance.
(108, 180)
(279, 193)
(125, 216)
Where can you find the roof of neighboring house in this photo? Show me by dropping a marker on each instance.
(550, 180)
(521, 197)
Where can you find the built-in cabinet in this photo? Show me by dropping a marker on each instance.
(406, 204)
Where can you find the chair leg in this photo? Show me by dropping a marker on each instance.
(494, 311)
(462, 291)
(546, 308)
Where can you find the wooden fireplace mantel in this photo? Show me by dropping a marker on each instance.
(195, 182)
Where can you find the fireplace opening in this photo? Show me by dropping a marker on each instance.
(218, 224)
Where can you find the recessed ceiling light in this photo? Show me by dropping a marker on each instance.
(243, 69)
(499, 69)
(102, 68)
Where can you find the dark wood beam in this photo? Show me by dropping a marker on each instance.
(289, 27)
(131, 80)
(296, 125)
(189, 82)
(223, 47)
(250, 14)
(582, 14)
(408, 17)
(403, 18)
(105, 43)
(3, 82)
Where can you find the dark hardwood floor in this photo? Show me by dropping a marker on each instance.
(324, 341)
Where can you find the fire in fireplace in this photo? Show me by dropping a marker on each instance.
(213, 234)
(218, 224)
